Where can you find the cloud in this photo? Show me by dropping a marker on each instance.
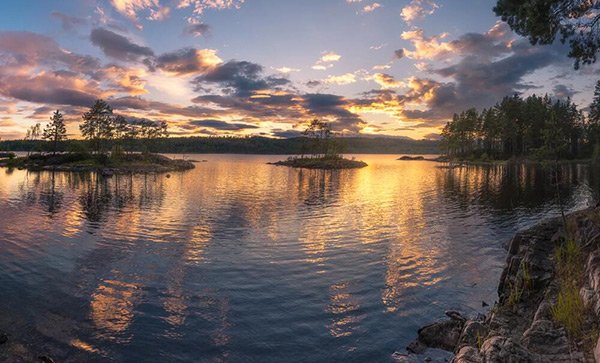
(378, 47)
(160, 14)
(370, 8)
(286, 134)
(386, 81)
(117, 46)
(131, 8)
(330, 57)
(222, 125)
(341, 80)
(493, 43)
(286, 70)
(68, 23)
(432, 137)
(197, 29)
(562, 92)
(417, 10)
(241, 78)
(188, 61)
(399, 54)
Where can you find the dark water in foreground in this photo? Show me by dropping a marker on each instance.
(239, 261)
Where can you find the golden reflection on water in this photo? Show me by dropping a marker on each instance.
(159, 230)
(112, 306)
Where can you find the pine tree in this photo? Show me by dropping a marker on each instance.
(97, 125)
(55, 131)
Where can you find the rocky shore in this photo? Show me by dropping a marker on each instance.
(527, 323)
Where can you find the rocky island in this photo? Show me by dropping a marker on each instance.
(125, 164)
(333, 163)
(548, 305)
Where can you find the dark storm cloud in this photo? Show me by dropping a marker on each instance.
(286, 134)
(562, 92)
(67, 22)
(162, 108)
(60, 96)
(186, 61)
(240, 78)
(117, 46)
(222, 125)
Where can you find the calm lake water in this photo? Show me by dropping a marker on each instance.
(239, 261)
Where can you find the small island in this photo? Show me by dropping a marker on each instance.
(320, 151)
(107, 147)
(321, 163)
(78, 161)
(410, 158)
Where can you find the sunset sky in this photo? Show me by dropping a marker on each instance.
(266, 67)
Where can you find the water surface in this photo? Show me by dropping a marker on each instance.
(239, 261)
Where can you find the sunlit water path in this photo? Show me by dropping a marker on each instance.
(240, 261)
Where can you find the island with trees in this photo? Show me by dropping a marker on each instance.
(107, 148)
(320, 151)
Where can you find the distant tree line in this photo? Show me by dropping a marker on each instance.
(246, 145)
(529, 126)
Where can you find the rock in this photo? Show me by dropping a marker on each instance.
(523, 329)
(428, 359)
(45, 359)
(168, 176)
(441, 335)
(416, 347)
(474, 333)
(454, 315)
(468, 355)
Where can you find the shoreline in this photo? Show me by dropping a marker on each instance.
(522, 325)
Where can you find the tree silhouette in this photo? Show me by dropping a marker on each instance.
(576, 21)
(55, 131)
(97, 125)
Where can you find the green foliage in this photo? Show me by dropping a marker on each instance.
(55, 131)
(576, 21)
(518, 127)
(515, 295)
(569, 310)
(97, 125)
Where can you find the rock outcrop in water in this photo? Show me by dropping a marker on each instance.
(522, 325)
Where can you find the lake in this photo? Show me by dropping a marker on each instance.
(240, 261)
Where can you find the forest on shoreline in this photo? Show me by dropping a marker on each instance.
(516, 127)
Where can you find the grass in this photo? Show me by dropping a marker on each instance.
(515, 295)
(569, 311)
